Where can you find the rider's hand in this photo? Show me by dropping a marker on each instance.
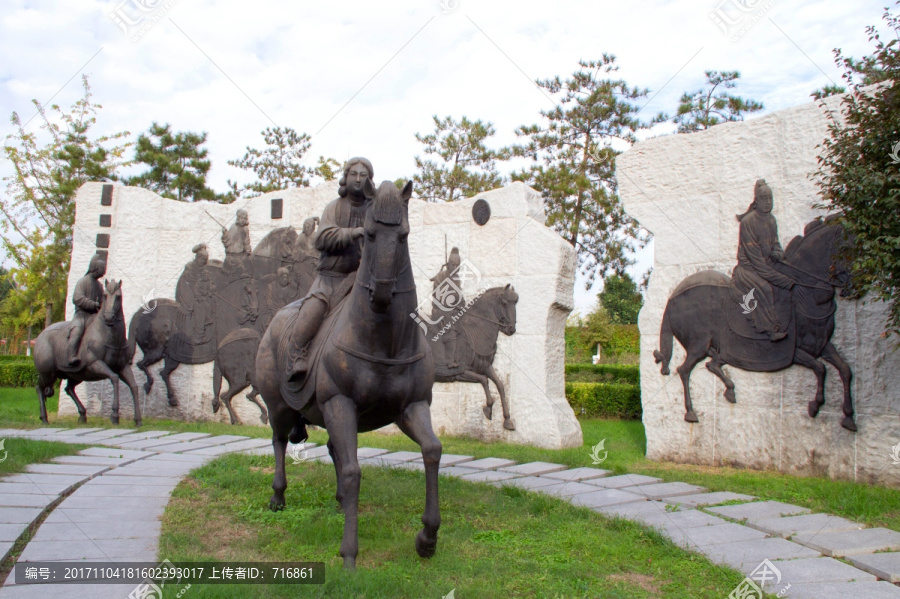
(357, 233)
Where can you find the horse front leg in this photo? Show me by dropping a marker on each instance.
(217, 385)
(715, 367)
(416, 423)
(254, 397)
(44, 390)
(226, 399)
(693, 357)
(70, 391)
(469, 376)
(804, 358)
(341, 422)
(508, 424)
(168, 368)
(99, 368)
(282, 421)
(127, 375)
(831, 355)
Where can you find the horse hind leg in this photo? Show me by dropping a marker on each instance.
(44, 390)
(128, 376)
(168, 368)
(508, 424)
(806, 359)
(715, 367)
(469, 376)
(233, 389)
(254, 397)
(149, 358)
(694, 355)
(831, 355)
(70, 391)
(282, 419)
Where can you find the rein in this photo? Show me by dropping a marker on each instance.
(829, 285)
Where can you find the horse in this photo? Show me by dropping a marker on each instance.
(703, 315)
(104, 354)
(372, 367)
(481, 321)
(235, 361)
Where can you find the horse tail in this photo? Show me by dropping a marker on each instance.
(664, 353)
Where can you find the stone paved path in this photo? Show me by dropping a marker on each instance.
(123, 483)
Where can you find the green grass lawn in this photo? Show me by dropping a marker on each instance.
(493, 543)
(21, 452)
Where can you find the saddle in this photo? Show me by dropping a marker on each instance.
(60, 349)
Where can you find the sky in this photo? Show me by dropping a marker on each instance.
(362, 78)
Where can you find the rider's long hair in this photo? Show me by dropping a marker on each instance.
(761, 187)
(342, 189)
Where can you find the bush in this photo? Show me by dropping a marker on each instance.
(628, 374)
(18, 373)
(607, 400)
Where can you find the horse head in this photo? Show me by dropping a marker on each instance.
(111, 308)
(507, 316)
(385, 267)
(822, 255)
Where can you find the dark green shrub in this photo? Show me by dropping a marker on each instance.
(18, 373)
(629, 374)
(606, 400)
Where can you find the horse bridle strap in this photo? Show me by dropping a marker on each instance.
(375, 359)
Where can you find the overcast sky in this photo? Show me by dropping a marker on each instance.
(363, 77)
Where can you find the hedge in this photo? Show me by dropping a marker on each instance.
(18, 373)
(14, 358)
(629, 374)
(607, 400)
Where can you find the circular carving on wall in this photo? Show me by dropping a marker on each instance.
(481, 212)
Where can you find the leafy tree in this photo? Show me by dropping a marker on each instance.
(576, 161)
(621, 299)
(178, 164)
(39, 204)
(859, 168)
(828, 90)
(328, 168)
(704, 108)
(466, 167)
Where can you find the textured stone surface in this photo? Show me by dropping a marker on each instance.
(810, 523)
(624, 480)
(534, 468)
(746, 555)
(704, 536)
(687, 189)
(704, 499)
(530, 483)
(577, 474)
(661, 490)
(489, 463)
(151, 240)
(449, 459)
(604, 498)
(882, 565)
(566, 489)
(851, 542)
(843, 590)
(759, 510)
(488, 476)
(816, 569)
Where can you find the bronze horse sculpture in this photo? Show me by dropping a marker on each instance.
(103, 354)
(705, 318)
(373, 367)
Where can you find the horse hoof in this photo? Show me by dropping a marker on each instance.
(114, 420)
(848, 423)
(689, 416)
(82, 418)
(264, 419)
(147, 387)
(812, 409)
(137, 423)
(276, 504)
(173, 402)
(45, 421)
(215, 407)
(487, 412)
(424, 547)
(349, 563)
(729, 395)
(509, 425)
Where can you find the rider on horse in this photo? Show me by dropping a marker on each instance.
(339, 242)
(87, 298)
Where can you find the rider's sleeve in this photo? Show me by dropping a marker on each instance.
(332, 237)
(753, 250)
(82, 299)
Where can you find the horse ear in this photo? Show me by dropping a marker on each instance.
(120, 283)
(369, 189)
(406, 192)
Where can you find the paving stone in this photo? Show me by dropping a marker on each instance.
(367, 452)
(410, 466)
(605, 498)
(534, 468)
(89, 460)
(222, 439)
(211, 451)
(450, 459)
(39, 432)
(175, 457)
(566, 489)
(661, 490)
(135, 501)
(401, 456)
(25, 500)
(490, 463)
(10, 432)
(882, 565)
(530, 482)
(816, 569)
(759, 510)
(157, 469)
(747, 555)
(108, 514)
(4, 549)
(111, 452)
(704, 499)
(843, 590)
(47, 483)
(65, 531)
(251, 444)
(322, 459)
(149, 444)
(132, 438)
(29, 489)
(255, 451)
(108, 491)
(810, 523)
(577, 474)
(180, 447)
(9, 533)
(143, 481)
(19, 515)
(683, 520)
(315, 452)
(644, 511)
(108, 433)
(75, 432)
(70, 531)
(63, 549)
(704, 536)
(624, 480)
(188, 436)
(851, 542)
(382, 462)
(486, 476)
(457, 471)
(65, 469)
(150, 434)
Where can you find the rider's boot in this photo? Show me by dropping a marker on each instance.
(311, 313)
(72, 351)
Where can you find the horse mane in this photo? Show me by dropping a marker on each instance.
(387, 207)
(812, 229)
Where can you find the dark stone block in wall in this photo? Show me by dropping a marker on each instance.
(106, 196)
(102, 240)
(106, 220)
(481, 212)
(277, 208)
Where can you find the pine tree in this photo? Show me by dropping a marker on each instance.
(177, 164)
(704, 108)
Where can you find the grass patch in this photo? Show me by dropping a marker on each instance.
(492, 543)
(21, 452)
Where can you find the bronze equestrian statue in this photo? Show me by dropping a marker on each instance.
(369, 366)
(102, 351)
(708, 312)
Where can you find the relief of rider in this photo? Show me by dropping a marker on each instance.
(446, 298)
(237, 247)
(758, 251)
(88, 297)
(339, 243)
